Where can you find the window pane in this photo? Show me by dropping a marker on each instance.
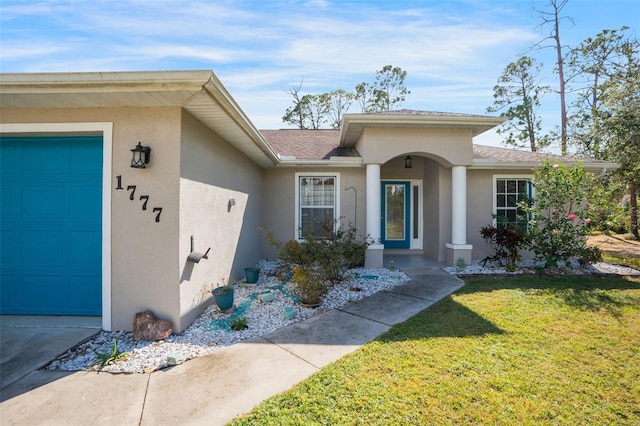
(511, 201)
(502, 201)
(500, 186)
(316, 221)
(522, 187)
(511, 186)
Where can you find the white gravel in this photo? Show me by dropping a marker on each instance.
(211, 330)
(527, 267)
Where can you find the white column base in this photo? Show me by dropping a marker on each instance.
(455, 252)
(374, 256)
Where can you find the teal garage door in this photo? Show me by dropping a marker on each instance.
(51, 225)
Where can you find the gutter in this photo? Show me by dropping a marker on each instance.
(218, 93)
(290, 161)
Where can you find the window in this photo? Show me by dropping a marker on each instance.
(317, 203)
(509, 192)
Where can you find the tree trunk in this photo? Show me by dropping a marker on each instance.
(563, 106)
(634, 209)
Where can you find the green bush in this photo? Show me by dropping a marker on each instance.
(558, 222)
(331, 252)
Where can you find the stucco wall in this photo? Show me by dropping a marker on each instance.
(448, 146)
(143, 251)
(212, 173)
(278, 201)
(480, 206)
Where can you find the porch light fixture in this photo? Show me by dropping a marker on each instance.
(139, 160)
(408, 162)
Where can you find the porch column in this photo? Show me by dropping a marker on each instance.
(458, 250)
(373, 258)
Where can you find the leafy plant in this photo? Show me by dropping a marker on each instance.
(506, 244)
(106, 359)
(308, 285)
(238, 323)
(330, 251)
(557, 220)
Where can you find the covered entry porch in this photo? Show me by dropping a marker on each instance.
(429, 192)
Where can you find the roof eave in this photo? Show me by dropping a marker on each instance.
(332, 162)
(478, 124)
(479, 164)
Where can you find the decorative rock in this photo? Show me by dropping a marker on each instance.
(147, 327)
(175, 358)
(290, 312)
(266, 297)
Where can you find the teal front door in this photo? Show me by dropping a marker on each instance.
(51, 225)
(396, 208)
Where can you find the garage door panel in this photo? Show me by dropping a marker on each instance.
(51, 225)
(10, 202)
(43, 246)
(45, 157)
(85, 203)
(43, 202)
(82, 289)
(10, 249)
(39, 291)
(83, 158)
(85, 247)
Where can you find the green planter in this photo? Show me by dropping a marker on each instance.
(224, 297)
(252, 274)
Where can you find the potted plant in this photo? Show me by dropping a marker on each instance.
(252, 274)
(223, 296)
(308, 286)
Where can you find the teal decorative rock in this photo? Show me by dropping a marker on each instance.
(266, 297)
(290, 312)
(175, 358)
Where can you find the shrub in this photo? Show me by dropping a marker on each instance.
(557, 221)
(308, 285)
(506, 244)
(330, 253)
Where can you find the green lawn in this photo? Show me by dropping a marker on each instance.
(525, 350)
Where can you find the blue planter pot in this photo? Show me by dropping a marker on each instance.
(224, 297)
(251, 274)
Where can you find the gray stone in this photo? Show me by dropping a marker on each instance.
(147, 327)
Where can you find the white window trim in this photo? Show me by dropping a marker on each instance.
(336, 212)
(106, 130)
(495, 190)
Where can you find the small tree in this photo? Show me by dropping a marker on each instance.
(517, 97)
(557, 219)
(386, 92)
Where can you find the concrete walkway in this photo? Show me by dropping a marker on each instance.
(214, 389)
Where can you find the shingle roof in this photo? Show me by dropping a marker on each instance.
(507, 155)
(308, 144)
(323, 144)
(420, 113)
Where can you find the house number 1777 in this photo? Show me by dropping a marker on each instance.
(143, 198)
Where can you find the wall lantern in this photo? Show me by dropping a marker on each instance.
(139, 160)
(408, 162)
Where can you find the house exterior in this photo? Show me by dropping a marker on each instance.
(85, 233)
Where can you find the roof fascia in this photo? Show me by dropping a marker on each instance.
(218, 93)
(372, 120)
(500, 165)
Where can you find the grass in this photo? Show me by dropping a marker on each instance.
(631, 262)
(517, 350)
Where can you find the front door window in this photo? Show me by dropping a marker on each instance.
(395, 214)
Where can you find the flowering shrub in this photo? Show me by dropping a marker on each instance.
(557, 221)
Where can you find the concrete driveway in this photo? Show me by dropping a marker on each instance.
(28, 343)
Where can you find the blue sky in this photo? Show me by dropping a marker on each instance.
(453, 51)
